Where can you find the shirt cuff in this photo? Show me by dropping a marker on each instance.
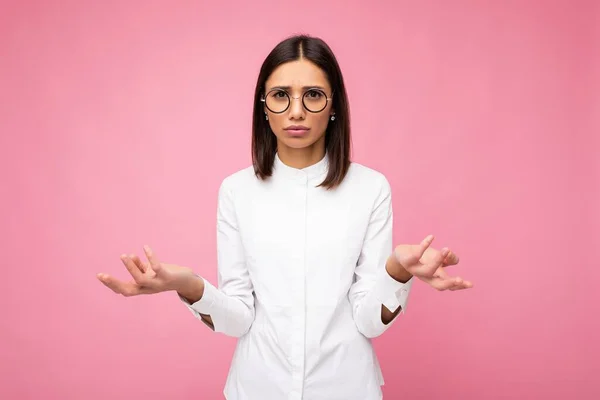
(206, 304)
(391, 293)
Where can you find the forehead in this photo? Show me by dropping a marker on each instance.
(297, 74)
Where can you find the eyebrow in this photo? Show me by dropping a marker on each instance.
(303, 87)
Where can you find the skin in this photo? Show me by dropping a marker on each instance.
(299, 152)
(406, 261)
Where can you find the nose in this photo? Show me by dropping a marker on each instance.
(296, 108)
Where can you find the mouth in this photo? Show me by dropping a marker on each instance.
(297, 130)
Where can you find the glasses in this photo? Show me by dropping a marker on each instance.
(313, 100)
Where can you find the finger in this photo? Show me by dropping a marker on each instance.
(424, 245)
(138, 262)
(133, 269)
(154, 264)
(436, 262)
(451, 259)
(439, 283)
(109, 282)
(458, 287)
(119, 287)
(463, 285)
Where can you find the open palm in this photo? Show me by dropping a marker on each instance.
(148, 277)
(428, 264)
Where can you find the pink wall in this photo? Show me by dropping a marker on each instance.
(118, 123)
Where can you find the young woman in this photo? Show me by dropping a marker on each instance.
(307, 270)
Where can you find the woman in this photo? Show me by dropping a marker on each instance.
(307, 272)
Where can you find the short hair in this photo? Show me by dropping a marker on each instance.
(337, 136)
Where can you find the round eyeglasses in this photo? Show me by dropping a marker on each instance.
(278, 100)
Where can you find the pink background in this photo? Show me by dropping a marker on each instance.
(119, 121)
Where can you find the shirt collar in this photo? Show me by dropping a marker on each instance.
(310, 172)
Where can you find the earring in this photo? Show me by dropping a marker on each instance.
(333, 117)
(266, 117)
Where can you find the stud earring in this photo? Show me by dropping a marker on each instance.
(333, 117)
(266, 117)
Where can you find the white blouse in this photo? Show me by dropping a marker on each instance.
(301, 281)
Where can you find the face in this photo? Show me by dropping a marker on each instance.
(293, 90)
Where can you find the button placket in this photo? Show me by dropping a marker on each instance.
(298, 319)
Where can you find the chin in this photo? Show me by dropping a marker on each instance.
(298, 142)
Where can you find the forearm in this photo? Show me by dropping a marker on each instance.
(225, 310)
(378, 301)
(192, 289)
(192, 292)
(388, 316)
(398, 273)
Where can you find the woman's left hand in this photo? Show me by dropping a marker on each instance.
(427, 264)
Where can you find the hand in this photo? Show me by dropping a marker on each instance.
(148, 278)
(427, 264)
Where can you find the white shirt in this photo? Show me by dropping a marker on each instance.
(301, 281)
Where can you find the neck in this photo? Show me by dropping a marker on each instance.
(301, 158)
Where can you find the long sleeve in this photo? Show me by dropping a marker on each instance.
(373, 286)
(231, 305)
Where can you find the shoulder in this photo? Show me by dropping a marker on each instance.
(239, 179)
(237, 182)
(367, 179)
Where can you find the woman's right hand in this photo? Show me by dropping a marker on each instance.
(148, 278)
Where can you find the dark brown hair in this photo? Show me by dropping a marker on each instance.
(337, 137)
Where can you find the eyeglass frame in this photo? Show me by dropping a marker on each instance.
(290, 97)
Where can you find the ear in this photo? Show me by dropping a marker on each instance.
(262, 100)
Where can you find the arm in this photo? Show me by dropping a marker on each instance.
(230, 308)
(191, 293)
(400, 275)
(376, 297)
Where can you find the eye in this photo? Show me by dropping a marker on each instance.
(314, 94)
(278, 94)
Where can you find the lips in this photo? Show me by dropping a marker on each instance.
(297, 130)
